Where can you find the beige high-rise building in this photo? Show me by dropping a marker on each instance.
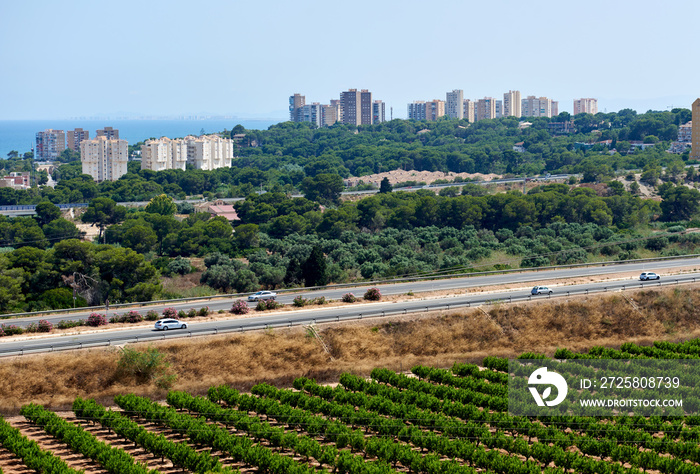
(356, 107)
(512, 104)
(109, 133)
(468, 110)
(104, 159)
(74, 137)
(330, 114)
(538, 107)
(49, 144)
(485, 109)
(695, 151)
(163, 154)
(454, 105)
(296, 102)
(585, 106)
(209, 152)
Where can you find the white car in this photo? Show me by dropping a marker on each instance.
(263, 295)
(649, 276)
(165, 324)
(541, 290)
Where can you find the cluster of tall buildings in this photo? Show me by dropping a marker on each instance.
(353, 107)
(207, 152)
(50, 143)
(512, 105)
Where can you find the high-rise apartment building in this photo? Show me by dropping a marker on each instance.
(499, 108)
(695, 151)
(468, 110)
(163, 154)
(454, 105)
(378, 112)
(485, 109)
(356, 107)
(209, 152)
(539, 107)
(330, 114)
(109, 133)
(104, 159)
(296, 102)
(74, 137)
(511, 104)
(416, 110)
(585, 106)
(421, 110)
(49, 144)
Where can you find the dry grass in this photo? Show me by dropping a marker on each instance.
(436, 339)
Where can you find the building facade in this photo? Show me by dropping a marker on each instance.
(356, 107)
(454, 105)
(378, 112)
(109, 133)
(104, 159)
(422, 110)
(585, 106)
(538, 107)
(74, 137)
(163, 154)
(485, 109)
(512, 104)
(695, 133)
(209, 152)
(468, 110)
(296, 102)
(49, 145)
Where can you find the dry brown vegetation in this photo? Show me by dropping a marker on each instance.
(438, 339)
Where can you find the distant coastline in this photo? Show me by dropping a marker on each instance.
(20, 135)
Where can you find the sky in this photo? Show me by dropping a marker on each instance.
(173, 58)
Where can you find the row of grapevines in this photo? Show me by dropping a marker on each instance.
(305, 446)
(446, 377)
(240, 448)
(30, 453)
(114, 460)
(180, 454)
(472, 370)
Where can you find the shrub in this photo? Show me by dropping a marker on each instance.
(272, 304)
(300, 301)
(118, 318)
(192, 313)
(170, 313)
(261, 306)
(373, 294)
(96, 319)
(146, 366)
(133, 317)
(181, 314)
(67, 324)
(31, 327)
(44, 326)
(152, 315)
(11, 330)
(203, 311)
(349, 298)
(240, 307)
(319, 300)
(179, 266)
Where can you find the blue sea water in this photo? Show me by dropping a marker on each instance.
(20, 135)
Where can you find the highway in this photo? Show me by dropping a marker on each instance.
(320, 314)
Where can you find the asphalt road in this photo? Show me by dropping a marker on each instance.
(351, 312)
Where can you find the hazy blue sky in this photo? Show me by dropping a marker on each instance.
(88, 58)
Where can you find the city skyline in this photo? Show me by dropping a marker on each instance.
(249, 72)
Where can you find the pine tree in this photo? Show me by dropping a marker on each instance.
(314, 269)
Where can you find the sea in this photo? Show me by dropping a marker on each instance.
(20, 135)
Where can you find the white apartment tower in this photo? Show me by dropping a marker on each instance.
(163, 154)
(539, 107)
(104, 159)
(209, 152)
(454, 105)
(468, 110)
(511, 104)
(585, 106)
(378, 109)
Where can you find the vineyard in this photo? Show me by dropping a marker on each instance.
(429, 421)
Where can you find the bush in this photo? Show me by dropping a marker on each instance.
(133, 317)
(96, 319)
(300, 301)
(179, 266)
(203, 311)
(146, 366)
(192, 313)
(117, 318)
(373, 294)
(264, 305)
(67, 324)
(152, 315)
(261, 306)
(240, 307)
(170, 313)
(44, 326)
(319, 300)
(181, 314)
(10, 330)
(348, 298)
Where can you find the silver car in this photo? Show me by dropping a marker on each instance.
(541, 290)
(649, 276)
(263, 295)
(165, 324)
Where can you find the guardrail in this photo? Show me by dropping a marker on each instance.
(250, 325)
(347, 285)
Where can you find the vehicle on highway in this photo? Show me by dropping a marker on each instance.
(649, 276)
(165, 324)
(541, 290)
(263, 295)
